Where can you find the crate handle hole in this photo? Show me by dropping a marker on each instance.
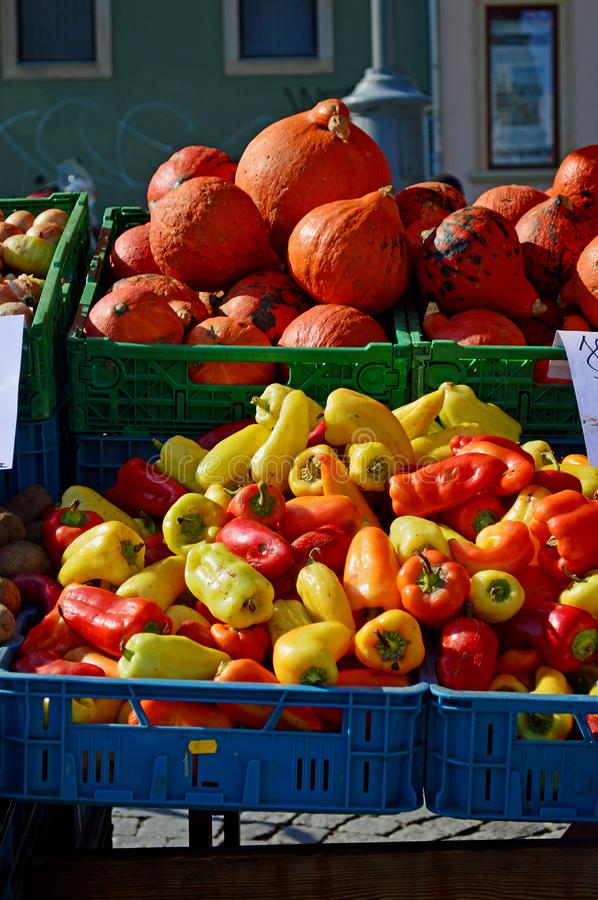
(490, 740)
(98, 766)
(111, 767)
(195, 770)
(312, 774)
(368, 727)
(366, 777)
(44, 765)
(488, 783)
(326, 775)
(529, 781)
(84, 766)
(210, 784)
(555, 785)
(299, 773)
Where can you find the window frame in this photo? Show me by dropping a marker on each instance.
(12, 69)
(234, 64)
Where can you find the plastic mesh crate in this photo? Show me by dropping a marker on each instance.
(43, 367)
(501, 375)
(372, 764)
(134, 388)
(99, 457)
(40, 457)
(477, 767)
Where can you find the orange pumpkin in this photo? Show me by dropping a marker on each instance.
(269, 300)
(306, 160)
(352, 252)
(577, 177)
(552, 236)
(190, 162)
(582, 287)
(208, 233)
(131, 253)
(222, 330)
(415, 199)
(333, 326)
(510, 200)
(132, 314)
(474, 327)
(419, 229)
(184, 301)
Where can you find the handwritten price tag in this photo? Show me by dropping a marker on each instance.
(581, 348)
(11, 342)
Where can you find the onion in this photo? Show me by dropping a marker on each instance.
(22, 218)
(6, 230)
(57, 216)
(49, 231)
(17, 309)
(28, 254)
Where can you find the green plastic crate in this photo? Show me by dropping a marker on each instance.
(138, 388)
(501, 375)
(43, 366)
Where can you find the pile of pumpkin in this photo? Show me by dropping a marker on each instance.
(304, 242)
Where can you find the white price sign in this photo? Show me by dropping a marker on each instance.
(11, 343)
(582, 368)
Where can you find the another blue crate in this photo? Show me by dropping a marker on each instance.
(98, 457)
(477, 767)
(373, 764)
(39, 457)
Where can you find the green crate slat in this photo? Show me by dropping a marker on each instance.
(137, 388)
(43, 365)
(498, 374)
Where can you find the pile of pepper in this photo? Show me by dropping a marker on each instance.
(328, 546)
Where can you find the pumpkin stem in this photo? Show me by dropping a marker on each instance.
(538, 308)
(387, 191)
(121, 308)
(339, 126)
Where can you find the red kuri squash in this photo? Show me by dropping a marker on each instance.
(510, 200)
(333, 326)
(582, 287)
(222, 330)
(415, 199)
(269, 300)
(132, 254)
(190, 162)
(185, 302)
(132, 314)
(577, 177)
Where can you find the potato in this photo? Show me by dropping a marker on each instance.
(23, 556)
(11, 528)
(17, 309)
(7, 624)
(35, 532)
(10, 596)
(31, 503)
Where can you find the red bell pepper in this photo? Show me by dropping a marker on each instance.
(507, 546)
(260, 546)
(565, 636)
(433, 587)
(33, 660)
(64, 667)
(244, 671)
(141, 487)
(262, 502)
(107, 621)
(51, 634)
(520, 465)
(471, 517)
(318, 435)
(539, 584)
(203, 610)
(360, 677)
(441, 486)
(329, 544)
(521, 662)
(303, 514)
(242, 643)
(468, 652)
(462, 440)
(155, 548)
(40, 590)
(182, 714)
(551, 564)
(556, 480)
(62, 526)
(197, 632)
(572, 520)
(217, 434)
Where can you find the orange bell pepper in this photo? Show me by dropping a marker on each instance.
(391, 642)
(371, 569)
(303, 514)
(182, 714)
(369, 678)
(521, 661)
(506, 545)
(336, 480)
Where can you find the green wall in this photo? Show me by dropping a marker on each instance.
(168, 90)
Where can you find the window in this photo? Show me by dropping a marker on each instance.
(522, 109)
(276, 37)
(61, 39)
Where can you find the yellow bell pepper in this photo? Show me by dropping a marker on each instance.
(522, 509)
(583, 593)
(354, 418)
(435, 446)
(90, 500)
(370, 465)
(179, 459)
(541, 452)
(417, 417)
(233, 590)
(391, 642)
(95, 710)
(305, 477)
(269, 404)
(495, 596)
(161, 582)
(148, 655)
(229, 461)
(111, 552)
(408, 534)
(541, 726)
(274, 459)
(286, 615)
(191, 519)
(462, 405)
(308, 655)
(323, 595)
(220, 495)
(178, 613)
(507, 683)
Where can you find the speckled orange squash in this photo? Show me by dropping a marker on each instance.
(417, 232)
(269, 300)
(577, 177)
(582, 287)
(416, 199)
(209, 233)
(306, 160)
(189, 162)
(473, 260)
(510, 200)
(184, 301)
(222, 330)
(352, 252)
(333, 326)
(132, 254)
(552, 236)
(133, 314)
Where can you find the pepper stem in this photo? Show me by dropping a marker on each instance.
(314, 675)
(263, 502)
(157, 444)
(310, 558)
(261, 404)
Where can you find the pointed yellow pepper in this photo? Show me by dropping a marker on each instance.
(354, 418)
(109, 552)
(228, 462)
(179, 459)
(274, 459)
(308, 655)
(416, 417)
(161, 582)
(323, 595)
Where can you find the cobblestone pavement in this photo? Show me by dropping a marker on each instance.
(169, 828)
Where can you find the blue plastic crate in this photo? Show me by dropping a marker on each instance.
(372, 764)
(98, 457)
(40, 457)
